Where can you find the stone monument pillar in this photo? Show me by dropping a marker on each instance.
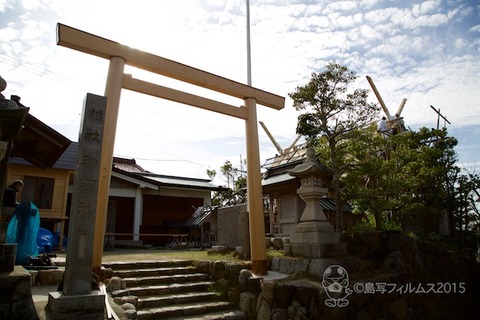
(314, 236)
(78, 300)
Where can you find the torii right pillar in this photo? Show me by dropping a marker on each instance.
(314, 235)
(254, 191)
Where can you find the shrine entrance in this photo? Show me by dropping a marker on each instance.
(120, 55)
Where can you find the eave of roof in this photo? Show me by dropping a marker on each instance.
(39, 144)
(140, 182)
(280, 178)
(182, 182)
(171, 181)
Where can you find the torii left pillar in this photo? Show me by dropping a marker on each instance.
(113, 89)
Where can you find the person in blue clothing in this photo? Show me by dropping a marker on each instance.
(10, 199)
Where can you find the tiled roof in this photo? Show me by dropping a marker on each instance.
(271, 180)
(69, 158)
(200, 215)
(127, 165)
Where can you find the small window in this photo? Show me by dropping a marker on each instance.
(38, 190)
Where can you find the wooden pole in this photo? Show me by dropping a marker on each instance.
(254, 192)
(249, 55)
(113, 89)
(379, 97)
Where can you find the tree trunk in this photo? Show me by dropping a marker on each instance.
(378, 221)
(338, 204)
(336, 187)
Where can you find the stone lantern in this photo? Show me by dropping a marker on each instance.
(12, 118)
(314, 235)
(15, 282)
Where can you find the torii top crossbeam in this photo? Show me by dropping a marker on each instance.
(88, 43)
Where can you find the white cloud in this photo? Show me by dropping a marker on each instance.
(341, 6)
(6, 4)
(425, 7)
(9, 37)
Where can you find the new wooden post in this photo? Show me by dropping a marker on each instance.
(254, 192)
(113, 90)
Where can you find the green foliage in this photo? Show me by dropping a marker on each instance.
(406, 181)
(367, 224)
(236, 181)
(328, 109)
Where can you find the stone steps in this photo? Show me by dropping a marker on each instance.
(154, 272)
(155, 280)
(232, 315)
(149, 290)
(136, 265)
(171, 290)
(183, 310)
(174, 299)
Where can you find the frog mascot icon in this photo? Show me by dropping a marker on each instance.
(335, 282)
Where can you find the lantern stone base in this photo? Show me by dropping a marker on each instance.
(316, 239)
(16, 295)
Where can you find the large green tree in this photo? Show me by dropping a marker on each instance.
(406, 180)
(331, 112)
(465, 216)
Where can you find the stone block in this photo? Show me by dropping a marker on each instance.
(277, 243)
(287, 265)
(301, 265)
(84, 306)
(33, 274)
(50, 277)
(276, 264)
(16, 295)
(329, 250)
(319, 250)
(317, 226)
(3, 231)
(317, 266)
(304, 250)
(8, 252)
(268, 242)
(15, 285)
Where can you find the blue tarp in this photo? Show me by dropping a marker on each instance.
(23, 229)
(45, 241)
(56, 240)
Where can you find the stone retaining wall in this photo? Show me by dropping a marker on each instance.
(375, 259)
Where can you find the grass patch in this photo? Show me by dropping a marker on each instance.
(160, 254)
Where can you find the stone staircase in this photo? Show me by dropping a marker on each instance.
(171, 290)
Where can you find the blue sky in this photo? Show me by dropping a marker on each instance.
(425, 51)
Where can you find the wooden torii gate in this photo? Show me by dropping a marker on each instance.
(120, 55)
